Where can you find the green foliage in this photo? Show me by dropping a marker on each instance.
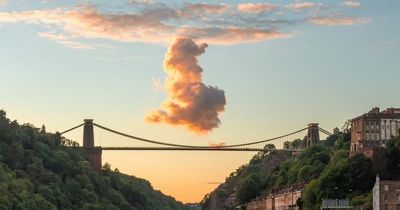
(38, 171)
(249, 187)
(391, 164)
(312, 197)
(295, 144)
(343, 177)
(325, 168)
(364, 201)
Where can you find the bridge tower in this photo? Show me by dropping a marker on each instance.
(312, 134)
(92, 153)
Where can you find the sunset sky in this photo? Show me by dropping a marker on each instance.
(196, 72)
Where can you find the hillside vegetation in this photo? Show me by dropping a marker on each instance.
(325, 170)
(38, 171)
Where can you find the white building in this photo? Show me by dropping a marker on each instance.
(386, 194)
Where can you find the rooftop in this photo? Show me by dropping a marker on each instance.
(375, 112)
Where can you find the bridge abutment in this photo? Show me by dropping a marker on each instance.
(92, 153)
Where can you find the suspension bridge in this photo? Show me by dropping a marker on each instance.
(125, 142)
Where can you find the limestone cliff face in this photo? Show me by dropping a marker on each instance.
(224, 196)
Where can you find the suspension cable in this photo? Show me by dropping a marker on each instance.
(191, 146)
(325, 131)
(72, 129)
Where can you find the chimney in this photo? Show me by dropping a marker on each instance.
(390, 110)
(374, 110)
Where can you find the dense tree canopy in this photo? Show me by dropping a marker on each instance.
(326, 168)
(40, 170)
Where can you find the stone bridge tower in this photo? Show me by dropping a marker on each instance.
(312, 134)
(92, 153)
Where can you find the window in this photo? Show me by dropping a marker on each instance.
(398, 197)
(386, 187)
(386, 197)
(398, 207)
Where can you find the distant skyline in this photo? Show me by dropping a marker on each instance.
(268, 67)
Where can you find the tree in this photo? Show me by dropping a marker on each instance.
(270, 146)
(312, 196)
(43, 129)
(40, 170)
(361, 177)
(392, 159)
(248, 188)
(107, 167)
(286, 145)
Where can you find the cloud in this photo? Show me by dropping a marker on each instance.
(227, 36)
(157, 85)
(150, 25)
(203, 8)
(302, 5)
(141, 1)
(66, 41)
(3, 3)
(190, 103)
(150, 22)
(255, 7)
(216, 145)
(213, 182)
(337, 21)
(351, 4)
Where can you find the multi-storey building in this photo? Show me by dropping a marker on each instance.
(284, 199)
(371, 130)
(386, 194)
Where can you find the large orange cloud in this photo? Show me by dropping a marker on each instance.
(190, 103)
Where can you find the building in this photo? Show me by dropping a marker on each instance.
(336, 204)
(284, 199)
(371, 130)
(386, 194)
(287, 201)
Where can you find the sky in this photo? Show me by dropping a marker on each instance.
(196, 72)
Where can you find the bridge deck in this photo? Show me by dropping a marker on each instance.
(200, 149)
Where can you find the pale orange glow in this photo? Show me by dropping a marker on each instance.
(187, 176)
